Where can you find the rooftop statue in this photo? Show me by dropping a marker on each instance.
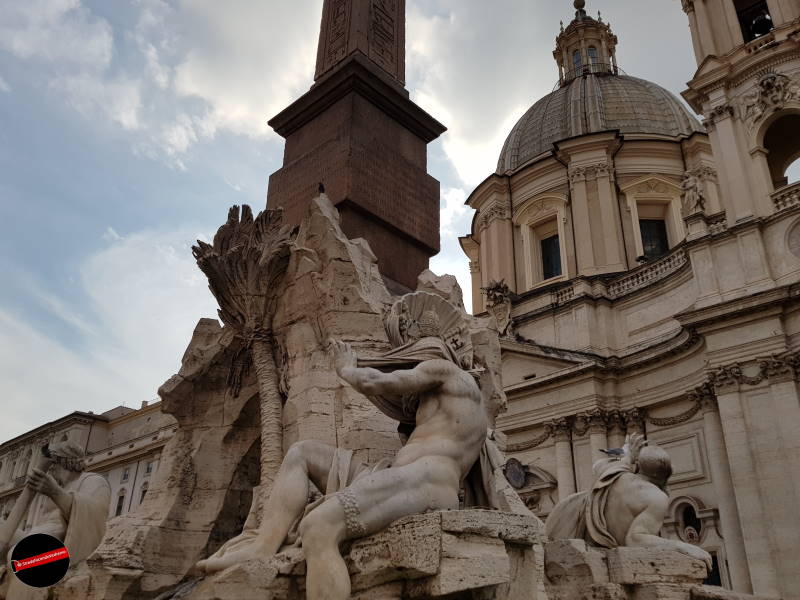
(429, 386)
(74, 511)
(626, 505)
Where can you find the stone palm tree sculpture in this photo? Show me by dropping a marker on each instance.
(244, 266)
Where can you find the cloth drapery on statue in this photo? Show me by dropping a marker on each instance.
(404, 408)
(582, 515)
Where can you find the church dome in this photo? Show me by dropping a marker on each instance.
(591, 103)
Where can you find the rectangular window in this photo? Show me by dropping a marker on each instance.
(654, 237)
(714, 576)
(149, 468)
(551, 257)
(126, 473)
(120, 504)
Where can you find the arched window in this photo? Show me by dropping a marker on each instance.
(754, 18)
(577, 61)
(593, 59)
(120, 503)
(793, 172)
(782, 142)
(144, 491)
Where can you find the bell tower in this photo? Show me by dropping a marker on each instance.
(357, 132)
(747, 86)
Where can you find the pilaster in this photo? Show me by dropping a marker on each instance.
(565, 470)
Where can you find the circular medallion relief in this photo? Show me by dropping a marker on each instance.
(794, 239)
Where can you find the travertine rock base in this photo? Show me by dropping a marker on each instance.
(200, 495)
(577, 572)
(469, 554)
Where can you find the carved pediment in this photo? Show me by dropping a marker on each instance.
(652, 184)
(711, 64)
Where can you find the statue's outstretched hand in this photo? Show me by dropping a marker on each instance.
(634, 442)
(343, 356)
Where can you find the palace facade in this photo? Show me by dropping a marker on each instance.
(122, 444)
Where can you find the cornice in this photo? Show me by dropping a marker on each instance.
(685, 341)
(58, 424)
(773, 369)
(751, 306)
(119, 459)
(734, 70)
(494, 183)
(357, 75)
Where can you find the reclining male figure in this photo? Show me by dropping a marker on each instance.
(626, 505)
(451, 425)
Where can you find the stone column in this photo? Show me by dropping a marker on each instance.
(634, 421)
(726, 499)
(688, 8)
(779, 463)
(616, 429)
(704, 28)
(565, 469)
(598, 433)
(746, 484)
(497, 248)
(734, 30)
(609, 211)
(477, 296)
(735, 182)
(580, 218)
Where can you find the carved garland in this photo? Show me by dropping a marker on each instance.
(774, 366)
(537, 441)
(703, 398)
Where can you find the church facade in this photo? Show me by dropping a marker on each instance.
(644, 268)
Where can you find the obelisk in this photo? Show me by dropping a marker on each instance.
(357, 132)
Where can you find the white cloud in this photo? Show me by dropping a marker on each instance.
(248, 61)
(110, 235)
(474, 69)
(478, 67)
(43, 380)
(453, 210)
(55, 30)
(4, 87)
(146, 294)
(118, 100)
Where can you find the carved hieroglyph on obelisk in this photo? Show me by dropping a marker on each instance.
(374, 28)
(357, 132)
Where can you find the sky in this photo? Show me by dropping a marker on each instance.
(128, 128)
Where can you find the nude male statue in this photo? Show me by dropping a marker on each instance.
(450, 428)
(626, 505)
